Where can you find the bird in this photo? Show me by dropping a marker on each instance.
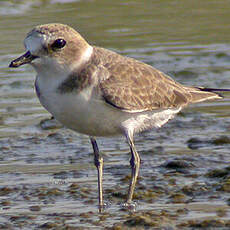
(100, 93)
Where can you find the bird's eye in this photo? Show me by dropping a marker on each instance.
(58, 44)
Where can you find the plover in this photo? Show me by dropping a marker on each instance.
(98, 92)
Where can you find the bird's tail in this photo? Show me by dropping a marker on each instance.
(200, 94)
(213, 89)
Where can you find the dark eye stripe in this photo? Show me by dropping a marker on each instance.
(58, 44)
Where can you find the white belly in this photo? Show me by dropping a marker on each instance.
(82, 113)
(92, 116)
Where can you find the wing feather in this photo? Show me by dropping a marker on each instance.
(133, 86)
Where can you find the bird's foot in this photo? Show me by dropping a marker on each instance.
(129, 206)
(103, 207)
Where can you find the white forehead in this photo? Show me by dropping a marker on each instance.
(35, 41)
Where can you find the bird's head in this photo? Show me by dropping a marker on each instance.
(54, 46)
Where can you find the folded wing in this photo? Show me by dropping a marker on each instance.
(134, 86)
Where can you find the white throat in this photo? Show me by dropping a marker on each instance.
(46, 65)
(50, 74)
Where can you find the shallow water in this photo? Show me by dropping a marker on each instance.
(188, 40)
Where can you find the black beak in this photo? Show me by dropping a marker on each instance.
(24, 59)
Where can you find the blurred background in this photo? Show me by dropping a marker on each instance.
(188, 40)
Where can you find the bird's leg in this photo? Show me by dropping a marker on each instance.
(135, 165)
(98, 161)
